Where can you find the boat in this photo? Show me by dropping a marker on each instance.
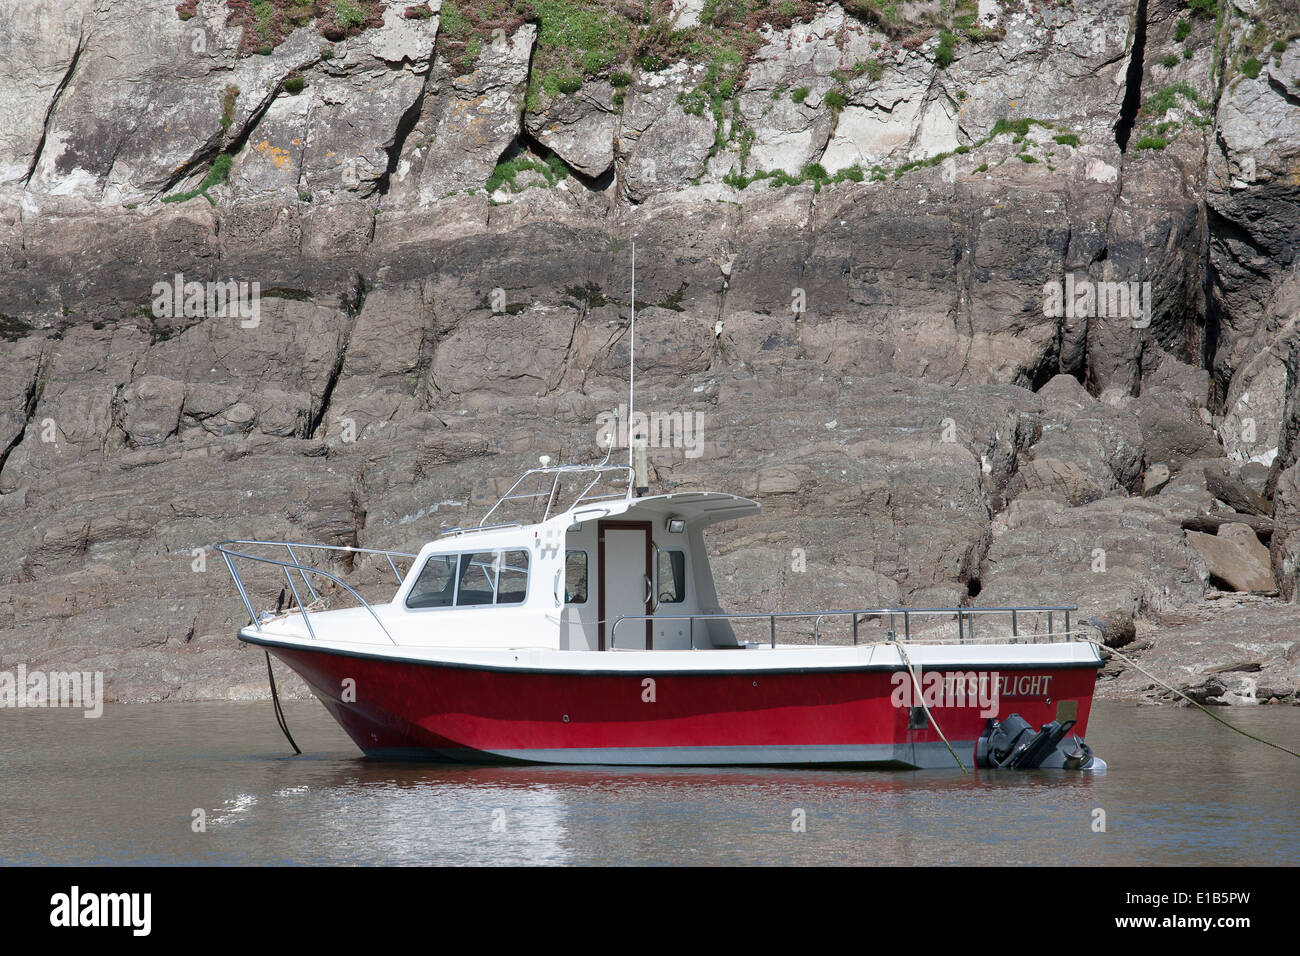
(588, 630)
(592, 634)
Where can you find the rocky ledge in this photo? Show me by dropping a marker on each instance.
(988, 302)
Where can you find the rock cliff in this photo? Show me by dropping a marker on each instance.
(988, 302)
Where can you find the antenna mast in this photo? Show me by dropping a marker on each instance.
(631, 365)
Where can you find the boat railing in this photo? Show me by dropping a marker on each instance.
(236, 550)
(551, 494)
(965, 619)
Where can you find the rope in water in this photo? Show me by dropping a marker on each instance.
(1128, 660)
(921, 697)
(279, 713)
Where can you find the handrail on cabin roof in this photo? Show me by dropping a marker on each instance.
(597, 471)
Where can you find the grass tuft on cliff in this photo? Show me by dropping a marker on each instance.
(217, 175)
(552, 170)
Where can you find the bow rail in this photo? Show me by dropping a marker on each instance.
(232, 551)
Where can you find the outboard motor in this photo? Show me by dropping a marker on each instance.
(1013, 744)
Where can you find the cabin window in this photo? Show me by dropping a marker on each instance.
(512, 582)
(575, 577)
(478, 578)
(435, 587)
(672, 577)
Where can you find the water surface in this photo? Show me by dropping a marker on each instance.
(1181, 789)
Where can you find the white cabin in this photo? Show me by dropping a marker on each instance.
(563, 583)
(560, 583)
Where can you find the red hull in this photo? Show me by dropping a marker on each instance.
(844, 716)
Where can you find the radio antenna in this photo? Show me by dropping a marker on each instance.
(631, 365)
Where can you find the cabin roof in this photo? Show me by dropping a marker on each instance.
(697, 507)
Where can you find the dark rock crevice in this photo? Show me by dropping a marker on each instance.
(1281, 89)
(352, 305)
(54, 102)
(405, 125)
(30, 403)
(1133, 80)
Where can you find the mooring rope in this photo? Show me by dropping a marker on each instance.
(921, 697)
(275, 700)
(1128, 660)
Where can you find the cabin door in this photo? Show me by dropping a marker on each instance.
(624, 557)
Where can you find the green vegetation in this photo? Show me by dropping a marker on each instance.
(944, 52)
(1152, 142)
(228, 98)
(1026, 158)
(835, 100)
(673, 300)
(716, 94)
(1205, 9)
(266, 23)
(294, 85)
(1156, 132)
(1251, 67)
(263, 17)
(578, 37)
(800, 94)
(217, 175)
(1170, 61)
(1181, 30)
(553, 170)
(884, 16)
(1067, 139)
(813, 173)
(1279, 46)
(348, 13)
(11, 329)
(1018, 128)
(589, 295)
(1167, 97)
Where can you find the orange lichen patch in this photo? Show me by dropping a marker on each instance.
(279, 156)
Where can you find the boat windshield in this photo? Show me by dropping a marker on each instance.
(471, 579)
